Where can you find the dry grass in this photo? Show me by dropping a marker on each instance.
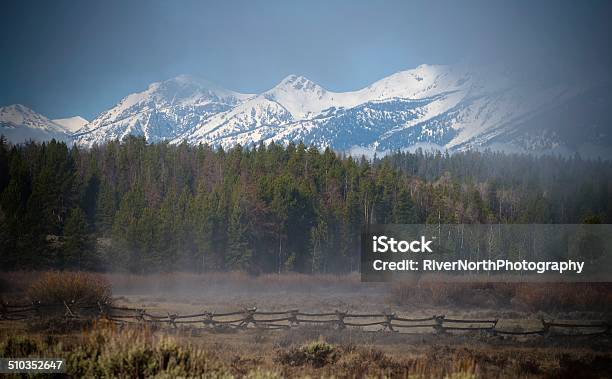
(565, 296)
(532, 297)
(316, 354)
(106, 351)
(71, 287)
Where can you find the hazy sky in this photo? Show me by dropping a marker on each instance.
(79, 57)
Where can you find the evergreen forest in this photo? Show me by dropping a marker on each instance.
(139, 207)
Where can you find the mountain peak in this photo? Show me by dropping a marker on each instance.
(19, 114)
(453, 107)
(16, 108)
(21, 124)
(298, 82)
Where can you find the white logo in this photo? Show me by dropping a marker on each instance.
(383, 244)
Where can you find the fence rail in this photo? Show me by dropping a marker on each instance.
(252, 317)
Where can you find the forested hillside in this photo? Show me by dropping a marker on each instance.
(158, 207)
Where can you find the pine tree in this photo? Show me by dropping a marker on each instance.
(153, 207)
(106, 206)
(239, 253)
(76, 245)
(404, 212)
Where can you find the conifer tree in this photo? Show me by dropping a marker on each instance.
(239, 252)
(155, 207)
(76, 245)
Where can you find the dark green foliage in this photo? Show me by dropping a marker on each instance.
(404, 212)
(162, 207)
(76, 245)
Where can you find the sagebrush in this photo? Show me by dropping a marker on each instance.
(71, 287)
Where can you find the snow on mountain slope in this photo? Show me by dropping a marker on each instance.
(20, 124)
(300, 96)
(71, 124)
(294, 98)
(297, 107)
(304, 98)
(247, 117)
(421, 82)
(450, 107)
(567, 121)
(161, 112)
(362, 125)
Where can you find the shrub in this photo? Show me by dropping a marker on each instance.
(71, 287)
(133, 353)
(317, 354)
(18, 346)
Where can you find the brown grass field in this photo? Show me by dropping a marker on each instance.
(102, 349)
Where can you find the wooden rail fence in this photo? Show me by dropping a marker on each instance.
(252, 317)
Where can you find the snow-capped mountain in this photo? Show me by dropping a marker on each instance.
(432, 106)
(19, 124)
(444, 107)
(161, 112)
(71, 124)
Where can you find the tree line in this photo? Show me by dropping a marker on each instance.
(143, 207)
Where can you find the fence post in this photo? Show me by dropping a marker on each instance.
(545, 328)
(340, 321)
(172, 318)
(493, 329)
(102, 311)
(293, 320)
(249, 317)
(208, 319)
(388, 318)
(439, 327)
(68, 311)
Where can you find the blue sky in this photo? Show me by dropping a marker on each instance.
(64, 58)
